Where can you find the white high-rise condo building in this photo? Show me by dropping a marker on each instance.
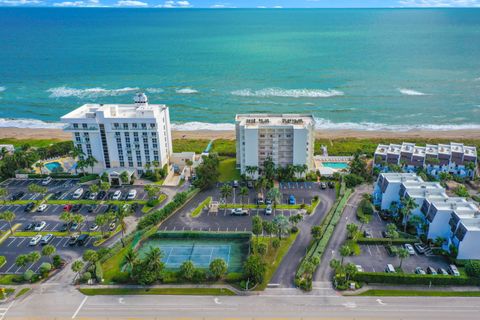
(286, 139)
(129, 136)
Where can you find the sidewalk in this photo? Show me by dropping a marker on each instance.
(410, 288)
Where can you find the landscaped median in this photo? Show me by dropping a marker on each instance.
(189, 291)
(312, 259)
(415, 279)
(308, 207)
(418, 293)
(198, 210)
(7, 233)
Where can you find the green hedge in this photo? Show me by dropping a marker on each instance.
(415, 279)
(89, 177)
(386, 241)
(201, 235)
(3, 260)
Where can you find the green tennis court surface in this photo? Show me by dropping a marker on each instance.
(200, 251)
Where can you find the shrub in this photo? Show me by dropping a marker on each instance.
(199, 276)
(57, 261)
(386, 241)
(3, 260)
(472, 268)
(85, 277)
(152, 202)
(352, 180)
(28, 275)
(98, 272)
(89, 177)
(415, 279)
(45, 268)
(294, 229)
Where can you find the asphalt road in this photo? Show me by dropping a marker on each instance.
(51, 301)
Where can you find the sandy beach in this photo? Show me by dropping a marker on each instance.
(22, 133)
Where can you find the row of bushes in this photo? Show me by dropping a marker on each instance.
(414, 279)
(386, 241)
(303, 276)
(158, 216)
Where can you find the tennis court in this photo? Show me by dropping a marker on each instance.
(200, 251)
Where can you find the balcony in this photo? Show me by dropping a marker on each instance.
(71, 128)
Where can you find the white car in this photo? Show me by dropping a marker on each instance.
(78, 193)
(112, 226)
(93, 227)
(132, 194)
(46, 181)
(35, 240)
(268, 210)
(359, 268)
(46, 238)
(93, 196)
(42, 207)
(39, 226)
(117, 195)
(410, 249)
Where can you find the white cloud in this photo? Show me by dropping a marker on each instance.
(277, 7)
(222, 5)
(131, 3)
(175, 4)
(439, 3)
(20, 2)
(90, 3)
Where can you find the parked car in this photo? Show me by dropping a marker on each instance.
(419, 270)
(391, 251)
(93, 227)
(29, 227)
(93, 196)
(385, 234)
(452, 269)
(29, 207)
(18, 195)
(268, 201)
(331, 184)
(74, 226)
(73, 240)
(76, 207)
(420, 248)
(91, 207)
(116, 195)
(67, 207)
(112, 226)
(390, 269)
(442, 272)
(359, 268)
(39, 226)
(86, 195)
(42, 207)
(101, 195)
(35, 240)
(239, 212)
(260, 198)
(235, 184)
(46, 239)
(65, 227)
(367, 234)
(250, 184)
(409, 248)
(431, 270)
(132, 194)
(46, 181)
(291, 199)
(56, 195)
(77, 194)
(323, 185)
(268, 210)
(82, 239)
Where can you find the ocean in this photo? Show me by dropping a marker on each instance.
(364, 69)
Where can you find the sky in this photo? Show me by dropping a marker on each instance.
(245, 3)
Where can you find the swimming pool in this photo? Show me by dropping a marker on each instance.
(336, 165)
(52, 166)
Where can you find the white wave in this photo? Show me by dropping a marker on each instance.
(476, 79)
(2, 89)
(410, 92)
(154, 90)
(195, 125)
(29, 123)
(288, 93)
(92, 93)
(186, 91)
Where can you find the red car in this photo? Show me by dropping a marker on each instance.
(67, 207)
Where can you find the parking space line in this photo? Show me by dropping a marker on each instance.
(12, 241)
(18, 245)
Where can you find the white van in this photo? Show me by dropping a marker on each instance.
(389, 269)
(132, 194)
(452, 269)
(46, 181)
(78, 193)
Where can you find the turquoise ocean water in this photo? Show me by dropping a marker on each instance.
(361, 69)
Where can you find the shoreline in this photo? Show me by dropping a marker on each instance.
(37, 134)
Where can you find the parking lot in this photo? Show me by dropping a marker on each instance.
(224, 221)
(374, 258)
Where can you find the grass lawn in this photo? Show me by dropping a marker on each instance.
(112, 267)
(158, 291)
(8, 279)
(228, 170)
(161, 198)
(274, 257)
(194, 145)
(55, 233)
(309, 208)
(414, 293)
(39, 143)
(22, 292)
(198, 210)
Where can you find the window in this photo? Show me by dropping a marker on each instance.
(139, 163)
(155, 158)
(75, 125)
(134, 125)
(117, 134)
(128, 145)
(145, 146)
(154, 146)
(145, 134)
(125, 126)
(127, 140)
(116, 125)
(138, 153)
(130, 163)
(121, 158)
(144, 126)
(137, 146)
(122, 164)
(154, 140)
(152, 125)
(136, 139)
(154, 134)
(135, 134)
(84, 126)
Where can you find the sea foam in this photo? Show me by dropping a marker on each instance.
(410, 92)
(2, 89)
(186, 91)
(29, 123)
(92, 93)
(288, 93)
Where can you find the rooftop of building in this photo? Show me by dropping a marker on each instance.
(430, 149)
(118, 111)
(401, 177)
(266, 119)
(426, 192)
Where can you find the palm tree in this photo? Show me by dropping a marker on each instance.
(408, 205)
(402, 254)
(33, 257)
(78, 219)
(153, 258)
(48, 251)
(225, 192)
(66, 217)
(121, 214)
(8, 216)
(124, 177)
(40, 165)
(81, 165)
(4, 195)
(94, 188)
(147, 166)
(243, 193)
(91, 161)
(251, 170)
(345, 251)
(131, 257)
(21, 261)
(274, 195)
(364, 219)
(102, 220)
(77, 266)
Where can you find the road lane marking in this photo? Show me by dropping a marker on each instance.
(79, 307)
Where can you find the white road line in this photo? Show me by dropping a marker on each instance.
(18, 245)
(79, 307)
(2, 315)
